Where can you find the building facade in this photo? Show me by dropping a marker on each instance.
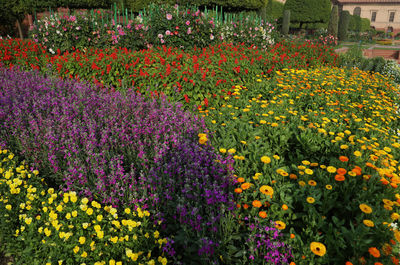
(383, 14)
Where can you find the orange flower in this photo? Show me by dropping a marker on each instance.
(292, 236)
(344, 159)
(292, 263)
(285, 207)
(339, 178)
(238, 190)
(245, 206)
(341, 171)
(257, 204)
(395, 260)
(238, 205)
(240, 180)
(245, 186)
(292, 176)
(357, 170)
(378, 263)
(262, 214)
(384, 181)
(374, 252)
(348, 263)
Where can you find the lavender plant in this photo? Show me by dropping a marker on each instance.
(121, 149)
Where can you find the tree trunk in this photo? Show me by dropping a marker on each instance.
(21, 35)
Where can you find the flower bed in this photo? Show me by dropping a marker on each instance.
(199, 77)
(316, 151)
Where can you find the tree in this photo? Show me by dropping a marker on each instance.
(334, 21)
(14, 11)
(308, 11)
(286, 22)
(344, 22)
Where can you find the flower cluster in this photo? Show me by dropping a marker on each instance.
(43, 226)
(316, 151)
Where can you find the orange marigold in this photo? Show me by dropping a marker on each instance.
(262, 214)
(240, 180)
(343, 158)
(257, 204)
(357, 170)
(238, 190)
(245, 186)
(341, 171)
(374, 252)
(339, 178)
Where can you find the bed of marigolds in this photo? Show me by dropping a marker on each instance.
(317, 151)
(69, 229)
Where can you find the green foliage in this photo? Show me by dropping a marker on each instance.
(274, 9)
(343, 25)
(286, 22)
(308, 11)
(334, 21)
(365, 24)
(355, 23)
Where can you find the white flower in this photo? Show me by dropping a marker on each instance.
(51, 50)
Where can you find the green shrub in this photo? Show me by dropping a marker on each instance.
(343, 25)
(334, 22)
(365, 24)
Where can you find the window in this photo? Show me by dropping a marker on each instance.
(391, 16)
(373, 16)
(357, 11)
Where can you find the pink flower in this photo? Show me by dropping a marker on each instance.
(168, 33)
(160, 36)
(188, 23)
(169, 16)
(211, 37)
(162, 41)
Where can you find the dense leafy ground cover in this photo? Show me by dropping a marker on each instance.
(295, 161)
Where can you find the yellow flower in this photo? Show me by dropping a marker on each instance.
(305, 162)
(59, 208)
(76, 249)
(276, 157)
(74, 213)
(85, 200)
(310, 200)
(274, 124)
(202, 140)
(85, 225)
(318, 248)
(309, 171)
(331, 169)
(265, 159)
(82, 240)
(365, 208)
(127, 211)
(357, 153)
(232, 151)
(280, 225)
(8, 207)
(344, 146)
(302, 183)
(395, 216)
(222, 150)
(84, 254)
(89, 211)
(99, 218)
(28, 221)
(267, 190)
(328, 187)
(368, 223)
(100, 234)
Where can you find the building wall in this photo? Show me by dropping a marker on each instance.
(382, 14)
